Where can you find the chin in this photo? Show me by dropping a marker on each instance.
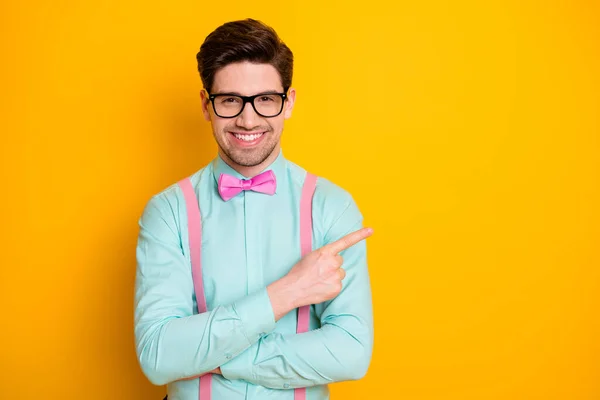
(249, 158)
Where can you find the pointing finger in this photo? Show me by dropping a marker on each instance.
(347, 241)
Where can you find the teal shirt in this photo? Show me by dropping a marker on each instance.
(248, 242)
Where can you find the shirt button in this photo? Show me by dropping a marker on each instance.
(228, 356)
(286, 385)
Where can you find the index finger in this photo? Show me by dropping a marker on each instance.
(347, 241)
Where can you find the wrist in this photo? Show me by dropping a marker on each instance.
(283, 297)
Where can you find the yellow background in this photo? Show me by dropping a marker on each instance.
(468, 133)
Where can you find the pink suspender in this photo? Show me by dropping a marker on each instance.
(195, 240)
(305, 247)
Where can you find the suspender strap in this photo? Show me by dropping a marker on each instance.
(306, 238)
(195, 240)
(306, 247)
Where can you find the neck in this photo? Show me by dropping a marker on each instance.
(249, 172)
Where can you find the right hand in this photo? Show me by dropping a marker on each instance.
(318, 276)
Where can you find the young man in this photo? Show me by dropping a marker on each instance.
(231, 331)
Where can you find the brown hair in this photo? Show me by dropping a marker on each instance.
(244, 40)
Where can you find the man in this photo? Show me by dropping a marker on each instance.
(254, 279)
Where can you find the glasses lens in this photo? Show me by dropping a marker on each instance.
(228, 106)
(268, 105)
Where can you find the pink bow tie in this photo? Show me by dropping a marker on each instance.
(230, 186)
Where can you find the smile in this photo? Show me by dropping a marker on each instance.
(247, 137)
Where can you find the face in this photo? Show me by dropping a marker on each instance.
(247, 140)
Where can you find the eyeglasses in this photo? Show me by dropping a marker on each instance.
(267, 105)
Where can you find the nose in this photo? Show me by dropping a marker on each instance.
(248, 117)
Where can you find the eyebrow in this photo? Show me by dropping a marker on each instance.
(239, 94)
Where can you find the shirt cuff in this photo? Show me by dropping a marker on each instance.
(239, 368)
(256, 314)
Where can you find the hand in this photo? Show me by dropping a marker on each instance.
(315, 278)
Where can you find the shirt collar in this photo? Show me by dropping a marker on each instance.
(277, 166)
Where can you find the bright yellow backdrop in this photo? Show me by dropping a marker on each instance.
(468, 133)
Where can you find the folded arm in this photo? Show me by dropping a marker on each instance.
(339, 350)
(172, 342)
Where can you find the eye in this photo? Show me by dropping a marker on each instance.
(266, 99)
(230, 100)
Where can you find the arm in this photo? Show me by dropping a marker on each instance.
(171, 342)
(338, 351)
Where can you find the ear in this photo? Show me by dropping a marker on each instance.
(289, 104)
(205, 104)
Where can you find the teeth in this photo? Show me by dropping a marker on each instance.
(248, 138)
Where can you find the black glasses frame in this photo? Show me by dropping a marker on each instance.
(247, 99)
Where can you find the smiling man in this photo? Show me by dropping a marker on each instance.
(252, 278)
